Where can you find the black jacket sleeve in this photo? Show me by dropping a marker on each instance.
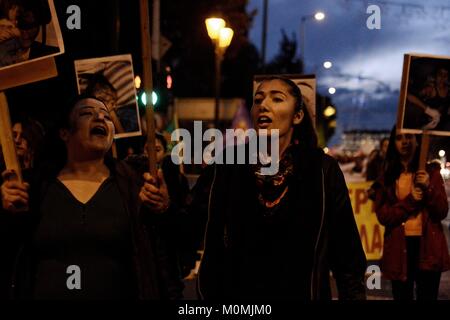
(153, 265)
(198, 206)
(348, 261)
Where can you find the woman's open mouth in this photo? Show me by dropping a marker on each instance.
(99, 131)
(263, 122)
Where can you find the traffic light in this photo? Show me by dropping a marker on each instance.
(142, 98)
(162, 91)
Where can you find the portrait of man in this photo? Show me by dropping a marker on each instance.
(29, 30)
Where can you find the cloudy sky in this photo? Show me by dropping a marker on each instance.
(367, 64)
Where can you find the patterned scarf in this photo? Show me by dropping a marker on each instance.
(272, 189)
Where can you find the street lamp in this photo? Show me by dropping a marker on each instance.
(221, 38)
(332, 90)
(327, 64)
(329, 111)
(318, 16)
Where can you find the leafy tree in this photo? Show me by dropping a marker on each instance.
(285, 62)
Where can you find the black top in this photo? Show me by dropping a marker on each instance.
(273, 250)
(95, 236)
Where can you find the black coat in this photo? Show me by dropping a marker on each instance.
(331, 239)
(153, 273)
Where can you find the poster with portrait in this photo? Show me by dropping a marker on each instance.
(30, 37)
(111, 79)
(307, 85)
(424, 102)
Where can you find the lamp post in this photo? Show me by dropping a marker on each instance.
(221, 38)
(318, 16)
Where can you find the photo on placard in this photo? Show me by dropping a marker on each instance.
(29, 31)
(111, 79)
(307, 85)
(424, 102)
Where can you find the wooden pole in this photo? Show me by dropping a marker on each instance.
(424, 150)
(156, 36)
(114, 149)
(148, 83)
(218, 63)
(6, 139)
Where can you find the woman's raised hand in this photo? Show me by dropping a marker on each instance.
(14, 194)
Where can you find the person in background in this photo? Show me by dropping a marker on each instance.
(376, 160)
(410, 204)
(174, 225)
(28, 135)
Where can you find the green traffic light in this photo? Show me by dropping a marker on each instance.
(144, 98)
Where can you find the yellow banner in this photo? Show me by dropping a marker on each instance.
(370, 231)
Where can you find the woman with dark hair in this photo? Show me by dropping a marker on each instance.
(28, 135)
(411, 203)
(279, 236)
(84, 230)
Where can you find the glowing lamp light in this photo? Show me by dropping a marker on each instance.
(319, 16)
(225, 36)
(327, 64)
(169, 81)
(137, 82)
(445, 173)
(329, 111)
(214, 25)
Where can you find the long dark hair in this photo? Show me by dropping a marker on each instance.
(33, 132)
(304, 132)
(392, 166)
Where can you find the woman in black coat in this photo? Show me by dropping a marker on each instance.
(278, 236)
